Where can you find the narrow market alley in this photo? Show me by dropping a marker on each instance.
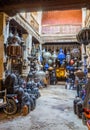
(54, 111)
(44, 65)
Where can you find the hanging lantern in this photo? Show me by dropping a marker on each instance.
(47, 55)
(9, 39)
(61, 56)
(50, 68)
(46, 66)
(54, 56)
(71, 68)
(49, 61)
(33, 51)
(71, 62)
(83, 36)
(75, 52)
(14, 50)
(40, 74)
(16, 36)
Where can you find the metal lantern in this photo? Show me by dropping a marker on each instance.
(75, 52)
(68, 57)
(54, 56)
(83, 36)
(17, 37)
(46, 66)
(71, 62)
(9, 39)
(49, 61)
(40, 74)
(14, 50)
(46, 55)
(33, 50)
(61, 56)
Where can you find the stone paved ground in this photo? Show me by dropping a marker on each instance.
(54, 111)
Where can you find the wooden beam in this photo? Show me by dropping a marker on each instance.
(45, 5)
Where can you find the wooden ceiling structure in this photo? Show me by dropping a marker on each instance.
(11, 7)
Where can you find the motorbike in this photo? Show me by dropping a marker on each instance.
(8, 102)
(15, 97)
(11, 105)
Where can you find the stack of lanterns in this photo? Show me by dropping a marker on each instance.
(47, 56)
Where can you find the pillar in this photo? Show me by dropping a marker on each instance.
(83, 16)
(27, 52)
(83, 25)
(39, 21)
(40, 52)
(24, 36)
(29, 44)
(2, 26)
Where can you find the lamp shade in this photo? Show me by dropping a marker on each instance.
(83, 36)
(47, 55)
(75, 52)
(54, 56)
(71, 62)
(49, 61)
(46, 66)
(61, 56)
(40, 74)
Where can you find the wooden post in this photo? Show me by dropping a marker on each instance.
(2, 25)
